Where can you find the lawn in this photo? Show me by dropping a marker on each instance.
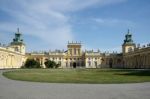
(91, 76)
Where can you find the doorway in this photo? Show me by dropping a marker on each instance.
(110, 63)
(74, 65)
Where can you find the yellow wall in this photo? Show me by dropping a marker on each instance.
(10, 59)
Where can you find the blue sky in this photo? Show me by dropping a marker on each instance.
(98, 24)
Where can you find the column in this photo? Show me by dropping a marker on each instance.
(43, 61)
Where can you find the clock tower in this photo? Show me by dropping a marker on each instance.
(18, 43)
(128, 45)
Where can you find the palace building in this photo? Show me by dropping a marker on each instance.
(132, 56)
(13, 55)
(72, 58)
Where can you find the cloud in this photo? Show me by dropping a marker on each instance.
(113, 22)
(46, 19)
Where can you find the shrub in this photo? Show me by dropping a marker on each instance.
(51, 64)
(31, 63)
(57, 65)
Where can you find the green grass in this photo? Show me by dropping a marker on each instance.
(97, 76)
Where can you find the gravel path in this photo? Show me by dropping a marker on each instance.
(11, 89)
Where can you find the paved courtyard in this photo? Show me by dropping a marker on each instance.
(11, 89)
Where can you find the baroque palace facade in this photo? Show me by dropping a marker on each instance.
(132, 56)
(13, 55)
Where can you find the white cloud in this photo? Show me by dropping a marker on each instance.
(46, 19)
(113, 22)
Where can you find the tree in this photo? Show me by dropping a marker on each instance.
(51, 64)
(31, 63)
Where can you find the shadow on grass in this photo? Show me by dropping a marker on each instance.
(136, 73)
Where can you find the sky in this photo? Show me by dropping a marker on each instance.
(98, 24)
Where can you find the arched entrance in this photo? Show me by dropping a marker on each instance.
(74, 65)
(110, 63)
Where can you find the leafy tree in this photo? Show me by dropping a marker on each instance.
(51, 64)
(31, 63)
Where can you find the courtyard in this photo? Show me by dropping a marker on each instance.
(13, 89)
(85, 76)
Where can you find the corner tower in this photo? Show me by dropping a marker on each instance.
(18, 43)
(128, 44)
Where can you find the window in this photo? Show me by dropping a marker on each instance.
(118, 60)
(95, 63)
(78, 64)
(102, 59)
(89, 63)
(16, 49)
(59, 58)
(66, 64)
(71, 64)
(79, 51)
(71, 51)
(130, 49)
(74, 51)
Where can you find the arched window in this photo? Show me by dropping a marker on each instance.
(71, 64)
(89, 63)
(74, 51)
(96, 63)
